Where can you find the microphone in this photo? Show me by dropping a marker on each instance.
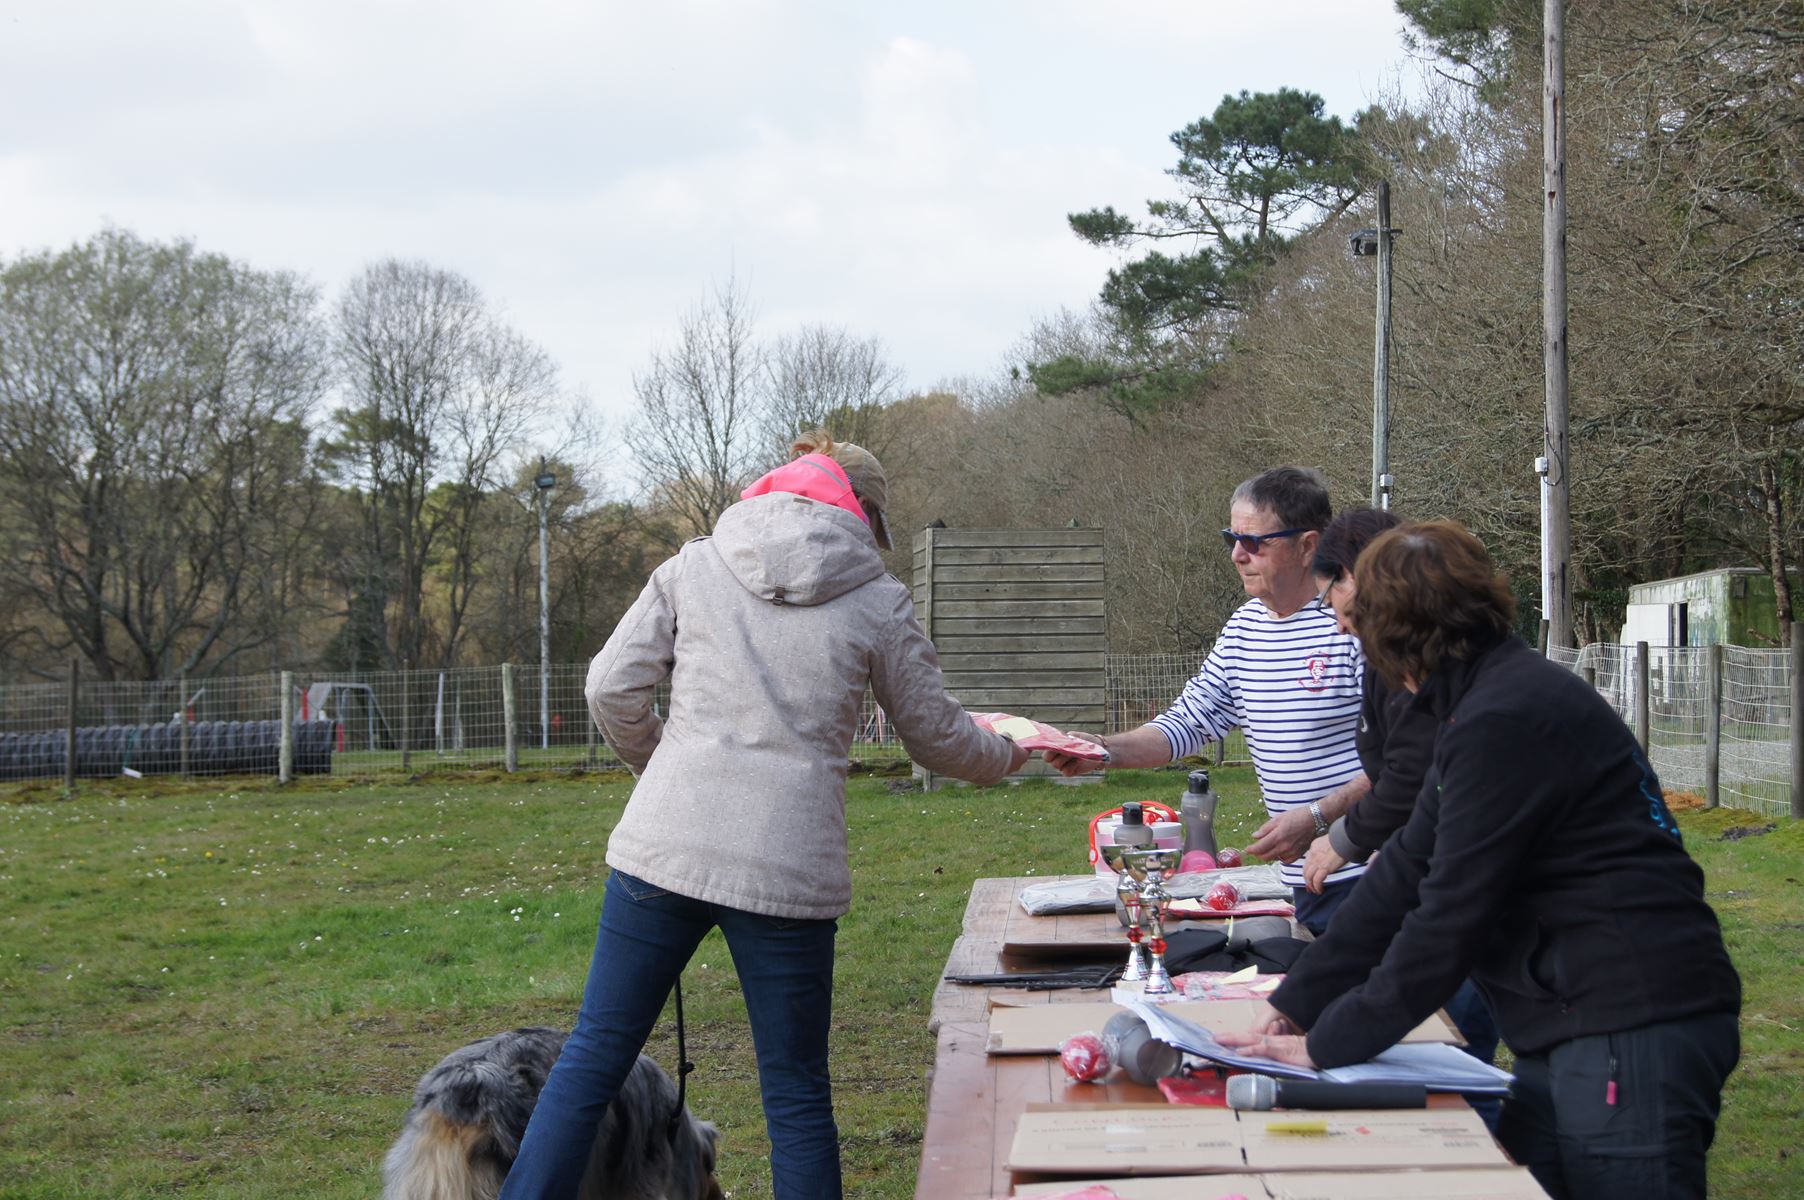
(1260, 1092)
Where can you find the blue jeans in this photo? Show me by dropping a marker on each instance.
(1314, 911)
(647, 936)
(1471, 1015)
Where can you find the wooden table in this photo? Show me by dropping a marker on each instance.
(975, 1100)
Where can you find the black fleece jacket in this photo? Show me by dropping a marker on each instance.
(1540, 859)
(1396, 744)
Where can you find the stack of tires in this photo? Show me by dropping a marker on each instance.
(214, 748)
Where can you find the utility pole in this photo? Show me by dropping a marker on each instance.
(1556, 495)
(545, 482)
(1369, 243)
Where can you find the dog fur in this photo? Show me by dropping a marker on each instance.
(470, 1111)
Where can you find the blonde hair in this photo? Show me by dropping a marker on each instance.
(815, 441)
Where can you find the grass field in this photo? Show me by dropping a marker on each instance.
(229, 991)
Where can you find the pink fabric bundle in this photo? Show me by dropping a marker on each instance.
(815, 476)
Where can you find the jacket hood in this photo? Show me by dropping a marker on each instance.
(791, 550)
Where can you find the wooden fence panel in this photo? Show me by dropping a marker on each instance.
(1017, 616)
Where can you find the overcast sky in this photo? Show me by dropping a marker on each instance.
(902, 170)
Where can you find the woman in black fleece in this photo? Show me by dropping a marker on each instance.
(1395, 748)
(1541, 859)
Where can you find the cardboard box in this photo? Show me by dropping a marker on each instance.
(1162, 1187)
(1504, 1183)
(1074, 1141)
(1041, 1029)
(1370, 1140)
(1120, 1139)
(1507, 1183)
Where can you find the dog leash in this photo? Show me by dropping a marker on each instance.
(684, 1066)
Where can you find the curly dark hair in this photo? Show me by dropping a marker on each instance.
(1428, 592)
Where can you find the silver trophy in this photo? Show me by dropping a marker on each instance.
(1128, 880)
(1150, 867)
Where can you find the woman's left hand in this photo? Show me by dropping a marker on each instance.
(1267, 1019)
(1322, 862)
(1290, 1048)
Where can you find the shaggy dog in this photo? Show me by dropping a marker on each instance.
(469, 1114)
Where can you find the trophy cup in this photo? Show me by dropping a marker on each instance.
(1150, 866)
(1128, 877)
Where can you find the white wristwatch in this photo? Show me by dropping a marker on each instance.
(1321, 822)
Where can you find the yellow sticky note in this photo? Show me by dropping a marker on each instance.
(1015, 727)
(1268, 984)
(1244, 975)
(1297, 1128)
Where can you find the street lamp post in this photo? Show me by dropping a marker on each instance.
(1376, 243)
(545, 482)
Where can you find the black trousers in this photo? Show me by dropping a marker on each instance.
(1623, 1116)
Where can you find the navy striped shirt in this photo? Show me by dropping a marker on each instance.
(1292, 684)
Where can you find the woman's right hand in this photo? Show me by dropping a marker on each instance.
(1069, 765)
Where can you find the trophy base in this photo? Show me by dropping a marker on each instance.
(1126, 992)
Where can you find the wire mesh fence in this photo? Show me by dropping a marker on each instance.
(523, 717)
(1758, 725)
(1141, 686)
(1750, 712)
(348, 723)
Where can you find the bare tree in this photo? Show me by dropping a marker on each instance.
(824, 378)
(440, 392)
(701, 407)
(154, 461)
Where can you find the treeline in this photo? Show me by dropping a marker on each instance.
(1238, 330)
(208, 466)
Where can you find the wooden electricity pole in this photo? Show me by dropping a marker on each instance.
(1556, 497)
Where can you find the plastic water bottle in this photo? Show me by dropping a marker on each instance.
(1197, 812)
(1133, 830)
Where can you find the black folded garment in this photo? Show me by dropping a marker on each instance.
(1099, 976)
(1210, 950)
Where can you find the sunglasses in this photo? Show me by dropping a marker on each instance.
(1255, 542)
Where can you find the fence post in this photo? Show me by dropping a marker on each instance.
(1713, 730)
(1589, 673)
(1797, 720)
(1541, 637)
(181, 715)
(1641, 704)
(69, 732)
(512, 759)
(285, 755)
(406, 719)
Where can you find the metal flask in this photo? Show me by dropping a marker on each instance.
(1131, 1046)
